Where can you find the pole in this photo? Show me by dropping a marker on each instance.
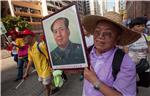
(19, 84)
(7, 38)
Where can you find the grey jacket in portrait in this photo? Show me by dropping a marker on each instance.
(73, 54)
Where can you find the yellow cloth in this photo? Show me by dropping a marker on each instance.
(19, 42)
(39, 60)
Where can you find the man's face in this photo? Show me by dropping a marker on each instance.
(28, 39)
(61, 33)
(14, 36)
(105, 37)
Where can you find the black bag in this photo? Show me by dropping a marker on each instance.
(144, 79)
(143, 72)
(142, 66)
(144, 75)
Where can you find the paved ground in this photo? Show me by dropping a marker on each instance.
(4, 54)
(31, 87)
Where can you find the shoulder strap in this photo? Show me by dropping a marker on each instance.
(145, 38)
(117, 61)
(38, 47)
(89, 49)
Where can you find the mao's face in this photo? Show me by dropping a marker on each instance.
(105, 37)
(61, 33)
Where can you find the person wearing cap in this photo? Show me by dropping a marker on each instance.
(66, 52)
(14, 52)
(141, 48)
(21, 50)
(109, 33)
(13, 34)
(39, 60)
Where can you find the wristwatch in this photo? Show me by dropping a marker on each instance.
(97, 85)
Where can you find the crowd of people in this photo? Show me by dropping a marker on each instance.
(104, 36)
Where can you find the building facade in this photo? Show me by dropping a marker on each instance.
(138, 8)
(34, 10)
(95, 8)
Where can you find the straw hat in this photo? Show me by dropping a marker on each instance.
(126, 37)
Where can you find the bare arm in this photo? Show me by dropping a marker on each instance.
(27, 69)
(17, 45)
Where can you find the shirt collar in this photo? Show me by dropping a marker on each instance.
(33, 46)
(103, 55)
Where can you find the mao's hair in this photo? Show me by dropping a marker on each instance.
(66, 22)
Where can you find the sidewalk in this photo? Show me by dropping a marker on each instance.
(31, 86)
(4, 54)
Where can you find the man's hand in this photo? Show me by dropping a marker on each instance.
(25, 76)
(90, 75)
(13, 43)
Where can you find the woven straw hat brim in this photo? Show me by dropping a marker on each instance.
(126, 37)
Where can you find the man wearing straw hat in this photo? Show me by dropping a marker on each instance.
(109, 33)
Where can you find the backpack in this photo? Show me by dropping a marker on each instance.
(39, 49)
(117, 61)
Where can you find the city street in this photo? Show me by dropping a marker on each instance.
(31, 86)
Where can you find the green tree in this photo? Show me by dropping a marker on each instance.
(11, 23)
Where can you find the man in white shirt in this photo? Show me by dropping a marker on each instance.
(88, 38)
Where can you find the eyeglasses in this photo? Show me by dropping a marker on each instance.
(103, 34)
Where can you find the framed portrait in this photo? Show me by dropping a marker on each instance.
(64, 39)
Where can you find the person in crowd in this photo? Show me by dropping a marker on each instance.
(88, 38)
(19, 50)
(14, 51)
(40, 61)
(14, 35)
(66, 52)
(22, 50)
(148, 27)
(141, 48)
(108, 32)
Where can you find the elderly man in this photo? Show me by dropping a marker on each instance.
(99, 80)
(39, 59)
(66, 52)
